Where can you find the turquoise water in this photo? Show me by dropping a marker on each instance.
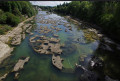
(40, 68)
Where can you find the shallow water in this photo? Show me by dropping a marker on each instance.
(40, 67)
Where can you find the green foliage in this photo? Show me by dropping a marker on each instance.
(105, 14)
(12, 19)
(17, 12)
(2, 17)
(18, 7)
(4, 28)
(13, 12)
(106, 18)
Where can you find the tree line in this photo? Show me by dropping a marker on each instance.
(105, 14)
(13, 12)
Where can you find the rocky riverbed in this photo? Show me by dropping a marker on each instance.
(61, 49)
(11, 39)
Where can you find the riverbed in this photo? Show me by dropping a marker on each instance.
(80, 46)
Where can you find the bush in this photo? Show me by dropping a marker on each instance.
(106, 19)
(2, 17)
(12, 19)
(16, 12)
(4, 28)
(12, 13)
(1, 32)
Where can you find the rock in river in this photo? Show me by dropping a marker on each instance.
(3, 77)
(19, 65)
(44, 45)
(57, 61)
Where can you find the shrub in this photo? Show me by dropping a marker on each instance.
(12, 19)
(2, 17)
(4, 28)
(16, 12)
(1, 32)
(106, 19)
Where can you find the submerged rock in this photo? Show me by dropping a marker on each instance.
(57, 61)
(70, 48)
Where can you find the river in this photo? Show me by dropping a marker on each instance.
(79, 48)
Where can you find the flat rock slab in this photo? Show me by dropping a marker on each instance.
(5, 51)
(46, 45)
(20, 64)
(57, 61)
(3, 77)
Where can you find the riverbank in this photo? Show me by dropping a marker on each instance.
(96, 29)
(5, 49)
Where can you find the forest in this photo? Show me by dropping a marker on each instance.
(13, 12)
(104, 14)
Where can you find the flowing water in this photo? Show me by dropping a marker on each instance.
(40, 68)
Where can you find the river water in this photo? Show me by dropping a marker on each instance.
(78, 49)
